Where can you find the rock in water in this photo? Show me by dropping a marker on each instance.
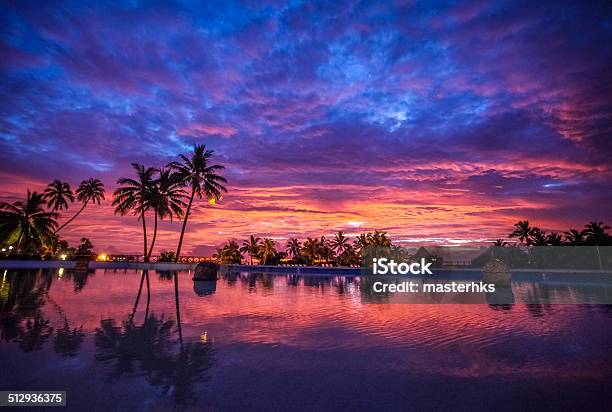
(206, 271)
(204, 287)
(497, 272)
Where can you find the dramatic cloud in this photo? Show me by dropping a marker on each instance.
(446, 121)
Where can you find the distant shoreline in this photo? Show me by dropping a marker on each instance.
(267, 269)
(70, 264)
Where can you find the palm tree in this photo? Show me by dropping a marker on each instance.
(267, 250)
(362, 241)
(379, 239)
(203, 179)
(57, 194)
(522, 231)
(574, 237)
(166, 200)
(233, 250)
(538, 237)
(90, 190)
(339, 243)
(310, 250)
(325, 250)
(595, 233)
(136, 196)
(229, 253)
(26, 223)
(500, 242)
(294, 248)
(251, 247)
(348, 257)
(554, 239)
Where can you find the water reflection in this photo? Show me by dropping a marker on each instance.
(23, 320)
(154, 349)
(68, 340)
(143, 276)
(151, 336)
(204, 287)
(78, 277)
(150, 350)
(34, 333)
(22, 298)
(165, 275)
(503, 295)
(293, 280)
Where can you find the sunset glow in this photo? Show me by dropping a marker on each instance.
(440, 126)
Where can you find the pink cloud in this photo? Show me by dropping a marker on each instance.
(209, 129)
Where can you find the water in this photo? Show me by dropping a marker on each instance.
(261, 342)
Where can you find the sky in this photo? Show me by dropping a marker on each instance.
(438, 122)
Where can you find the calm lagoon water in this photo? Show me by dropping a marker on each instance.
(262, 342)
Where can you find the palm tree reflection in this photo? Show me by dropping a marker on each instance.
(21, 317)
(68, 340)
(151, 351)
(35, 333)
(145, 275)
(78, 277)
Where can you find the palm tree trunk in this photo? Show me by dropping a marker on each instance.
(144, 233)
(72, 218)
(154, 236)
(180, 244)
(131, 318)
(18, 240)
(148, 294)
(146, 316)
(178, 309)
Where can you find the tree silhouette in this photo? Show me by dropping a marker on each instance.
(267, 251)
(166, 200)
(89, 191)
(26, 224)
(339, 243)
(595, 234)
(136, 196)
(251, 247)
(522, 231)
(574, 237)
(203, 178)
(58, 194)
(294, 248)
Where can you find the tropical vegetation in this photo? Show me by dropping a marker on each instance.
(202, 177)
(593, 234)
(27, 229)
(31, 225)
(90, 191)
(26, 225)
(535, 248)
(339, 250)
